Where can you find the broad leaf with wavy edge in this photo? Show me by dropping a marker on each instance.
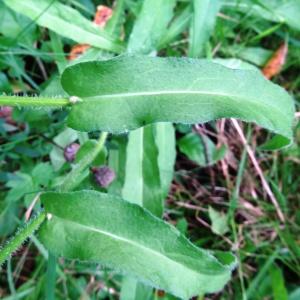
(134, 242)
(129, 92)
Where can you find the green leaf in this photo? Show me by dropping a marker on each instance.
(149, 166)
(255, 55)
(275, 142)
(202, 25)
(87, 149)
(8, 217)
(131, 289)
(142, 178)
(146, 151)
(130, 92)
(178, 25)
(19, 185)
(42, 174)
(114, 24)
(182, 225)
(295, 294)
(57, 48)
(261, 275)
(80, 170)
(97, 227)
(150, 25)
(166, 145)
(4, 83)
(281, 11)
(201, 149)
(61, 141)
(65, 21)
(235, 63)
(12, 26)
(278, 284)
(117, 162)
(219, 221)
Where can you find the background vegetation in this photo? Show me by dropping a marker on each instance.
(227, 193)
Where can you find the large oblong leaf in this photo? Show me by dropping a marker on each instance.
(131, 91)
(93, 226)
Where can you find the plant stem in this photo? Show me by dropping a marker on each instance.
(50, 277)
(71, 181)
(20, 237)
(10, 278)
(74, 178)
(240, 267)
(234, 200)
(23, 101)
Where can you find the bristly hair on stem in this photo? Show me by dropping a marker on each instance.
(33, 101)
(21, 236)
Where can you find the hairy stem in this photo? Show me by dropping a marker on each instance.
(71, 181)
(23, 101)
(20, 237)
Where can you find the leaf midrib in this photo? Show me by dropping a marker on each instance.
(182, 92)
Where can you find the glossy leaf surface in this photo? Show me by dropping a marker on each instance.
(135, 242)
(129, 92)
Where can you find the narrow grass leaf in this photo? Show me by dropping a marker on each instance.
(178, 25)
(166, 145)
(142, 178)
(117, 162)
(202, 24)
(131, 289)
(278, 284)
(280, 11)
(65, 21)
(150, 25)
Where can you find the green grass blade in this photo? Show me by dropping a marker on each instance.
(178, 25)
(279, 11)
(65, 21)
(202, 24)
(278, 284)
(150, 26)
